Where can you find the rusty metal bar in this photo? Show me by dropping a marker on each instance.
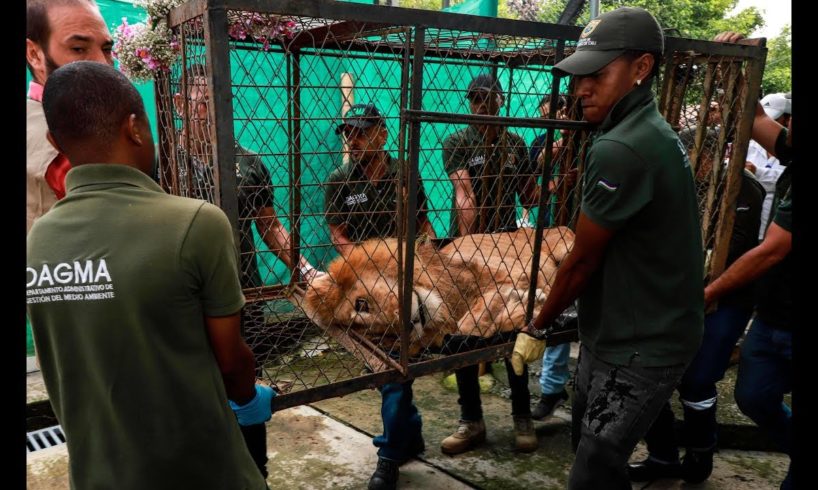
(328, 9)
(668, 82)
(165, 166)
(333, 33)
(525, 122)
(744, 125)
(676, 97)
(221, 112)
(187, 12)
(704, 113)
(387, 360)
(545, 196)
(412, 199)
(294, 126)
(717, 171)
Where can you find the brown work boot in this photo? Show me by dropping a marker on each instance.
(468, 435)
(524, 437)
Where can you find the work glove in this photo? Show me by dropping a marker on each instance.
(256, 411)
(527, 349)
(531, 347)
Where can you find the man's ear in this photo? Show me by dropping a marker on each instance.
(36, 58)
(644, 66)
(133, 130)
(53, 143)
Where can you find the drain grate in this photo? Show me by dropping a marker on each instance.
(44, 438)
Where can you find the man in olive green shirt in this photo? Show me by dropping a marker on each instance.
(489, 169)
(361, 202)
(637, 260)
(134, 302)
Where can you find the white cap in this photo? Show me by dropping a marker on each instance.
(776, 104)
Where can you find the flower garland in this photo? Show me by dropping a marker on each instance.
(145, 48)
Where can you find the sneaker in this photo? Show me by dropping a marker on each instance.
(697, 466)
(467, 435)
(385, 476)
(547, 404)
(525, 440)
(650, 470)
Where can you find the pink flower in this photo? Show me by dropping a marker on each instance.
(152, 63)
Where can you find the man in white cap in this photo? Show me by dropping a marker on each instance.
(766, 167)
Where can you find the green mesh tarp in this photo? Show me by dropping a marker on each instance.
(260, 108)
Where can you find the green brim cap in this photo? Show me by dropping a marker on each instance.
(587, 62)
(609, 36)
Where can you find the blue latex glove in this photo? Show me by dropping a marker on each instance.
(256, 411)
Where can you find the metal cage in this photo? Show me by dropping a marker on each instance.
(247, 119)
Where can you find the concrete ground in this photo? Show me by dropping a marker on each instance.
(328, 445)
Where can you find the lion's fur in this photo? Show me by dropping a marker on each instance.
(476, 285)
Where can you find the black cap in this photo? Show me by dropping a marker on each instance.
(609, 36)
(361, 116)
(486, 83)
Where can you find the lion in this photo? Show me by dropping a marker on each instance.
(476, 285)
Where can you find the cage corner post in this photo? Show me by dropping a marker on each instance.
(221, 111)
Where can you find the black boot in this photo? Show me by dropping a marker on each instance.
(650, 469)
(697, 465)
(547, 404)
(385, 476)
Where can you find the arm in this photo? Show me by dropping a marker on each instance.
(274, 234)
(584, 259)
(234, 357)
(465, 201)
(426, 227)
(528, 190)
(765, 130)
(339, 238)
(277, 237)
(776, 245)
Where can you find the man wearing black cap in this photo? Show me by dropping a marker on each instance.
(361, 202)
(637, 259)
(489, 167)
(361, 196)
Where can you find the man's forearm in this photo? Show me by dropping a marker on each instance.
(239, 382)
(342, 244)
(572, 277)
(278, 240)
(747, 268)
(466, 217)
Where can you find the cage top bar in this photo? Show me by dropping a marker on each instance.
(330, 9)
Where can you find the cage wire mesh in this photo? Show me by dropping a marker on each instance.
(429, 206)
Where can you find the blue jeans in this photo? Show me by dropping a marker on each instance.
(697, 388)
(764, 377)
(555, 373)
(401, 423)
